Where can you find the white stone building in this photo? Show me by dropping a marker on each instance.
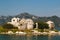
(50, 24)
(22, 24)
(14, 21)
(29, 23)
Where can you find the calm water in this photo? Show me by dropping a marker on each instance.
(15, 37)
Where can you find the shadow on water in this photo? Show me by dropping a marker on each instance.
(17, 37)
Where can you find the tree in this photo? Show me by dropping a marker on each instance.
(7, 26)
(43, 25)
(34, 25)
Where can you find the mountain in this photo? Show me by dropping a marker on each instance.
(26, 15)
(5, 19)
(55, 19)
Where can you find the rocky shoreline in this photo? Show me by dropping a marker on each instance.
(33, 33)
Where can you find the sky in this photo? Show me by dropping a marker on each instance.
(34, 7)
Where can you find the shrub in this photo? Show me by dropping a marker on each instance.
(43, 25)
(7, 26)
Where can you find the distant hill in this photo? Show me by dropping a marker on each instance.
(26, 15)
(55, 19)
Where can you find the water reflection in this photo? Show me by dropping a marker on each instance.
(41, 37)
(29, 37)
(49, 37)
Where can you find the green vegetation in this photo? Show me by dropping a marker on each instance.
(42, 30)
(1, 29)
(39, 30)
(14, 30)
(27, 31)
(55, 30)
(43, 25)
(8, 26)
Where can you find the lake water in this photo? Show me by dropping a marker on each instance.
(41, 37)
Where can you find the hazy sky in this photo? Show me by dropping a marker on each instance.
(35, 7)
